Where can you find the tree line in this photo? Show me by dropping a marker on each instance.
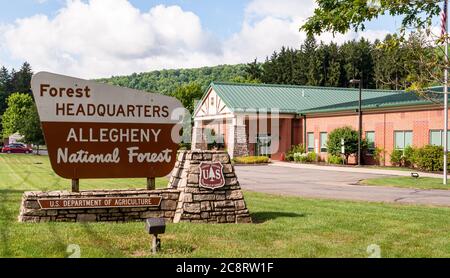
(380, 65)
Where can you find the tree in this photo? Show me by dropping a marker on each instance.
(5, 88)
(350, 137)
(22, 79)
(31, 128)
(15, 115)
(187, 94)
(253, 71)
(344, 15)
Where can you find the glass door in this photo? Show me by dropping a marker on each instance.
(263, 143)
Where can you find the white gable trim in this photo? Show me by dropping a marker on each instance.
(211, 105)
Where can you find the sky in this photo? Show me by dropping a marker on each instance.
(101, 38)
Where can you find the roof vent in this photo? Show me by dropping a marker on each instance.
(303, 93)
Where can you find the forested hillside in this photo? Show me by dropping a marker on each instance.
(167, 81)
(313, 63)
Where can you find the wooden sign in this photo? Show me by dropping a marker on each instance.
(113, 202)
(211, 175)
(95, 130)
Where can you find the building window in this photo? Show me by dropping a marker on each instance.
(370, 137)
(310, 142)
(402, 139)
(437, 138)
(323, 142)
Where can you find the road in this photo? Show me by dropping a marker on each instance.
(329, 184)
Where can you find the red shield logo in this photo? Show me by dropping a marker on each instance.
(211, 175)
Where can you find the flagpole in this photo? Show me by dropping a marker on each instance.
(446, 94)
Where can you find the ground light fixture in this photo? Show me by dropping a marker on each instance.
(155, 227)
(358, 81)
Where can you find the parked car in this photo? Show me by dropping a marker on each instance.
(16, 148)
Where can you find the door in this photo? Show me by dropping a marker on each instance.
(263, 143)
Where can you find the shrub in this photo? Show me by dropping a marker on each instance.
(294, 149)
(409, 156)
(379, 155)
(350, 137)
(396, 157)
(251, 160)
(311, 157)
(430, 158)
(334, 159)
(301, 157)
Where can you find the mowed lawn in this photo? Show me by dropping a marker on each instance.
(283, 226)
(408, 182)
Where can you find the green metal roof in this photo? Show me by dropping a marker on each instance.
(306, 99)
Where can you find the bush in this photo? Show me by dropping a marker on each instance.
(334, 159)
(379, 155)
(311, 157)
(294, 149)
(397, 157)
(251, 160)
(350, 137)
(409, 156)
(430, 158)
(300, 157)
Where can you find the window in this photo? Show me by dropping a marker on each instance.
(323, 142)
(437, 138)
(402, 139)
(310, 142)
(370, 137)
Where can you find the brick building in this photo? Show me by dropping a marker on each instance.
(260, 119)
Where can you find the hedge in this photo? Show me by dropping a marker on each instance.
(251, 160)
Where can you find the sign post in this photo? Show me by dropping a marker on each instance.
(95, 130)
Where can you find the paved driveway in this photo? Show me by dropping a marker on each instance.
(331, 185)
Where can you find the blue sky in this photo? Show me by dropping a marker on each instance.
(223, 17)
(110, 37)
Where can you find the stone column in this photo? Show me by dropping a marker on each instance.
(240, 147)
(197, 204)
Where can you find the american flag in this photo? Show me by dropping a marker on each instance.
(444, 19)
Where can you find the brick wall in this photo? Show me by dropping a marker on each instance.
(384, 125)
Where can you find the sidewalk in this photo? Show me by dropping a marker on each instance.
(353, 169)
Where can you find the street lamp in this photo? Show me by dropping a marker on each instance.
(358, 81)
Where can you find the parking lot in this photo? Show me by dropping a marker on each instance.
(329, 184)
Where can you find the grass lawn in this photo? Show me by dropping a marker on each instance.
(284, 226)
(408, 182)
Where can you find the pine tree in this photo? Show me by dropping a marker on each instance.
(254, 70)
(5, 88)
(22, 79)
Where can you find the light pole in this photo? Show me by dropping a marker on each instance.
(358, 81)
(446, 94)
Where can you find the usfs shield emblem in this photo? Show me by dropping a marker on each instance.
(211, 175)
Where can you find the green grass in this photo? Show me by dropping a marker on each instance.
(394, 168)
(408, 182)
(283, 226)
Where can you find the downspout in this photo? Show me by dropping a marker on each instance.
(304, 131)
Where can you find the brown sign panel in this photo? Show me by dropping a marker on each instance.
(211, 175)
(108, 202)
(95, 130)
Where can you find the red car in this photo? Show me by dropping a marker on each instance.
(16, 148)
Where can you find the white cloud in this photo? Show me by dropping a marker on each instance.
(110, 37)
(280, 8)
(104, 37)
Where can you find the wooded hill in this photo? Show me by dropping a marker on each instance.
(167, 81)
